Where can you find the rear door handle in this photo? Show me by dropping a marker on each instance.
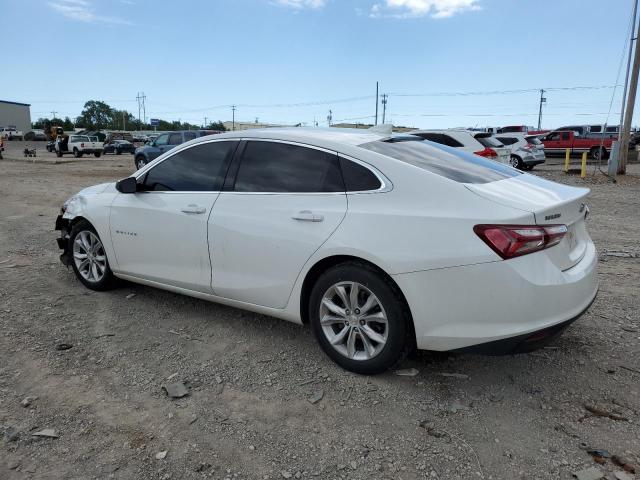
(193, 209)
(308, 216)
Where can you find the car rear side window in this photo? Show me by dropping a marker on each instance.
(451, 163)
(507, 140)
(189, 136)
(282, 167)
(200, 168)
(534, 141)
(488, 141)
(358, 178)
(175, 139)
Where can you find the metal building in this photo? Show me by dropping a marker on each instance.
(15, 114)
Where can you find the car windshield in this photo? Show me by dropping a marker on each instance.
(489, 141)
(447, 162)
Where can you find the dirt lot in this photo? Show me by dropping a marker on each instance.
(251, 377)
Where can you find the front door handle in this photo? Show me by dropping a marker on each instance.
(193, 209)
(308, 216)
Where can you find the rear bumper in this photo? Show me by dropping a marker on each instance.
(62, 224)
(460, 307)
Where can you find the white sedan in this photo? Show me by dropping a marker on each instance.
(382, 243)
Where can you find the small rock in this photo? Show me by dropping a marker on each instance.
(27, 401)
(286, 474)
(161, 455)
(11, 435)
(316, 397)
(130, 296)
(353, 465)
(589, 474)
(252, 448)
(46, 433)
(176, 390)
(624, 476)
(203, 467)
(64, 346)
(218, 379)
(407, 372)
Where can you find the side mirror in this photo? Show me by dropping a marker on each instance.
(127, 185)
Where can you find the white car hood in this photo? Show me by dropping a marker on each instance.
(100, 188)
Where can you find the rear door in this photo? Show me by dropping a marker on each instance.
(281, 202)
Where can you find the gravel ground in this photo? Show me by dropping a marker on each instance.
(249, 413)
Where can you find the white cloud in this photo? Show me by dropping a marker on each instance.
(421, 8)
(300, 4)
(82, 11)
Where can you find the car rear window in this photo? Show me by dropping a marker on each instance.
(489, 141)
(534, 141)
(440, 138)
(448, 162)
(507, 140)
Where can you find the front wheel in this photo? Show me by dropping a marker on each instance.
(97, 154)
(76, 153)
(360, 318)
(598, 153)
(88, 257)
(140, 162)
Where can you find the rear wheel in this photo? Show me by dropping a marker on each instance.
(76, 153)
(118, 152)
(88, 257)
(97, 154)
(516, 162)
(360, 318)
(140, 162)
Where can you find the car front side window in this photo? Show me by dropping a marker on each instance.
(200, 168)
(162, 139)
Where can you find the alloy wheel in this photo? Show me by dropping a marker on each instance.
(353, 320)
(89, 256)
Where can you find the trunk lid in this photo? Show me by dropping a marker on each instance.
(551, 204)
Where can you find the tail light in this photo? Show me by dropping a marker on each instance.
(511, 241)
(530, 146)
(487, 153)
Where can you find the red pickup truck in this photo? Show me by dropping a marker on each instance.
(558, 141)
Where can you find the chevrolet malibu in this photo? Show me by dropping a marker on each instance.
(382, 243)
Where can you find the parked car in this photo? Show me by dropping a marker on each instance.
(480, 143)
(1, 147)
(527, 151)
(165, 142)
(119, 147)
(593, 131)
(35, 135)
(11, 133)
(379, 242)
(558, 141)
(79, 145)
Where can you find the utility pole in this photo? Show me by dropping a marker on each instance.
(628, 114)
(384, 107)
(329, 117)
(542, 100)
(205, 123)
(53, 112)
(376, 103)
(233, 117)
(626, 78)
(144, 107)
(124, 121)
(138, 98)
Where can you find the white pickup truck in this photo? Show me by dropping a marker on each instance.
(79, 145)
(11, 133)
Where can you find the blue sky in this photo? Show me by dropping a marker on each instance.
(291, 61)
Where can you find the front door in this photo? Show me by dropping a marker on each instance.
(286, 201)
(160, 233)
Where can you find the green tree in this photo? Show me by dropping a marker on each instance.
(67, 125)
(96, 115)
(216, 126)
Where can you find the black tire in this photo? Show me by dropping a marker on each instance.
(108, 280)
(58, 153)
(399, 342)
(76, 153)
(597, 153)
(528, 168)
(516, 162)
(140, 162)
(97, 154)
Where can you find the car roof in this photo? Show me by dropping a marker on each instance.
(327, 137)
